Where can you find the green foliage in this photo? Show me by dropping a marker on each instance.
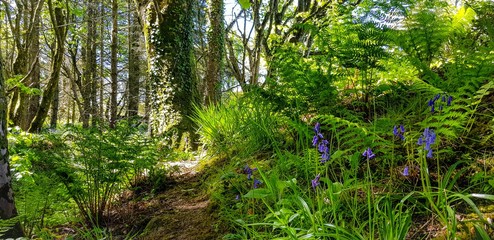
(18, 82)
(303, 83)
(58, 172)
(243, 127)
(6, 225)
(359, 79)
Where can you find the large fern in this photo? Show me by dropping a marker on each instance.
(351, 137)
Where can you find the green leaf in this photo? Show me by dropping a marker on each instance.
(483, 196)
(491, 182)
(481, 233)
(245, 4)
(258, 193)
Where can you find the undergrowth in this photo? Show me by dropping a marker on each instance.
(72, 176)
(402, 151)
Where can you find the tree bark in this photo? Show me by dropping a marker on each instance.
(101, 111)
(114, 51)
(54, 108)
(133, 85)
(168, 31)
(216, 45)
(7, 204)
(26, 62)
(57, 18)
(86, 86)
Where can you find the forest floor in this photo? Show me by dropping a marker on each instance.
(179, 211)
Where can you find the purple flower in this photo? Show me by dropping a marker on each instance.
(440, 107)
(429, 137)
(325, 156)
(437, 97)
(317, 128)
(249, 171)
(399, 132)
(402, 137)
(449, 100)
(257, 183)
(237, 197)
(429, 154)
(444, 98)
(431, 103)
(323, 146)
(318, 135)
(315, 139)
(315, 181)
(432, 108)
(368, 154)
(405, 171)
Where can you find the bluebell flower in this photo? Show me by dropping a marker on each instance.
(315, 181)
(318, 135)
(237, 197)
(402, 137)
(437, 97)
(431, 103)
(368, 154)
(429, 137)
(444, 98)
(257, 183)
(429, 154)
(449, 100)
(440, 107)
(317, 128)
(323, 146)
(325, 156)
(405, 171)
(249, 171)
(432, 108)
(399, 132)
(315, 139)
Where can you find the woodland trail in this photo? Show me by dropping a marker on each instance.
(180, 211)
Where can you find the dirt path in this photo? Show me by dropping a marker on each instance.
(181, 211)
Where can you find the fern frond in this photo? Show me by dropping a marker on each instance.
(424, 88)
(350, 136)
(6, 225)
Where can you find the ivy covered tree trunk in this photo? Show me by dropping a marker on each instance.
(216, 43)
(7, 205)
(168, 27)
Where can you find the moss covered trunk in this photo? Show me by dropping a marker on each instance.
(168, 28)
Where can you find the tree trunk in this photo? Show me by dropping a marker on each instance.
(57, 18)
(134, 64)
(167, 28)
(89, 60)
(54, 108)
(101, 112)
(26, 62)
(7, 205)
(216, 44)
(114, 49)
